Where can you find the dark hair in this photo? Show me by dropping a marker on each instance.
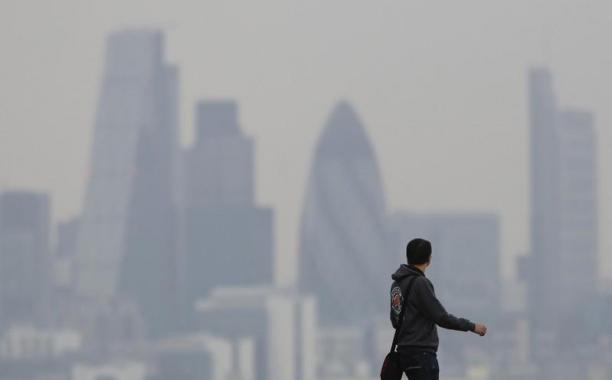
(418, 251)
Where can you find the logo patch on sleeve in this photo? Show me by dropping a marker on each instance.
(396, 300)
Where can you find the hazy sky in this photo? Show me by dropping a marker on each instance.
(440, 86)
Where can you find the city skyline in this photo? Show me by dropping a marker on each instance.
(415, 98)
(172, 266)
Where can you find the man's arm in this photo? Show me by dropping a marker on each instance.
(429, 305)
(395, 304)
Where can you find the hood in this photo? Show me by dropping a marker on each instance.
(406, 270)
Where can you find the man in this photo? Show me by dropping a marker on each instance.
(417, 342)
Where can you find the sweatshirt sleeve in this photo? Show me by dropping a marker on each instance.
(429, 305)
(395, 304)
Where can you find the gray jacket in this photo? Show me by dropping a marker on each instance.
(423, 311)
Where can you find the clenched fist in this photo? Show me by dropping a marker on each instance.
(480, 329)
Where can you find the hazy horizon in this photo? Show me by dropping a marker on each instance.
(443, 104)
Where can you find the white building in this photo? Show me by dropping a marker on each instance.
(197, 356)
(28, 342)
(273, 331)
(341, 353)
(129, 370)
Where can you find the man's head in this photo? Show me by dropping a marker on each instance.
(418, 252)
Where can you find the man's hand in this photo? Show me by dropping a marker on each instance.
(480, 329)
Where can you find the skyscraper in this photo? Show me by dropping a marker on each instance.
(24, 257)
(126, 239)
(64, 257)
(226, 238)
(219, 167)
(564, 245)
(343, 259)
(67, 235)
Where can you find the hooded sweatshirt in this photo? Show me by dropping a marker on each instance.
(423, 312)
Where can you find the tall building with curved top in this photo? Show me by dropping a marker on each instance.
(343, 258)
